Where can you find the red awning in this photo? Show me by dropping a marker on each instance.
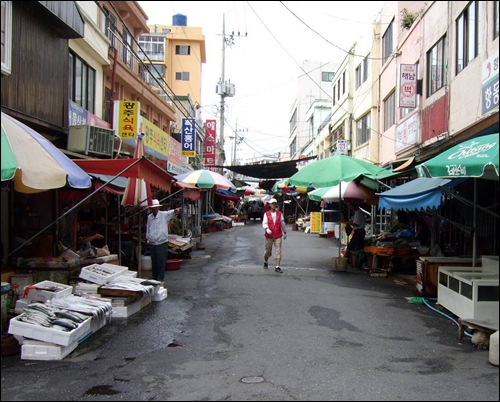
(135, 168)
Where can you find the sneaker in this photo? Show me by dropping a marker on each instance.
(278, 269)
(265, 265)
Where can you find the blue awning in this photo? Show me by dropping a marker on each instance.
(419, 193)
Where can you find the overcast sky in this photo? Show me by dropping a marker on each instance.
(264, 65)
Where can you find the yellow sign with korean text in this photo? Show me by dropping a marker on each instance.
(316, 222)
(127, 119)
(156, 140)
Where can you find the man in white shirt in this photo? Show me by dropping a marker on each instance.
(157, 237)
(274, 226)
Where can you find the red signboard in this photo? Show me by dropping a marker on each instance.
(210, 142)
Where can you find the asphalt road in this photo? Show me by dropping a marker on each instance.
(230, 330)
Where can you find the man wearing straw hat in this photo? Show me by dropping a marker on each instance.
(157, 237)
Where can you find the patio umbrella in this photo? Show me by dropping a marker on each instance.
(334, 169)
(138, 194)
(33, 163)
(206, 179)
(475, 158)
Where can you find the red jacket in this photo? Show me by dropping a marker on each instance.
(275, 227)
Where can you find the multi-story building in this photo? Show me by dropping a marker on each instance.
(176, 52)
(312, 105)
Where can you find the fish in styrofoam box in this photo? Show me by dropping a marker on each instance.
(47, 334)
(46, 290)
(101, 273)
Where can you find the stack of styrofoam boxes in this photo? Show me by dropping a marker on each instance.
(127, 311)
(32, 293)
(42, 343)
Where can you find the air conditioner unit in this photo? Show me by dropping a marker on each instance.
(91, 140)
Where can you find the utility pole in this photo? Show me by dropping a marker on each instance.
(224, 89)
(237, 141)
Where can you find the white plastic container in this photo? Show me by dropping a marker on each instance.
(494, 349)
(61, 290)
(37, 350)
(146, 264)
(101, 273)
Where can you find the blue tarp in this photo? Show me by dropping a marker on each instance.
(419, 193)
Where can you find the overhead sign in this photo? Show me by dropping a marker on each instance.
(155, 140)
(127, 119)
(408, 86)
(490, 84)
(188, 135)
(210, 142)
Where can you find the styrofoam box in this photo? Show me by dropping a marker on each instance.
(88, 274)
(160, 295)
(20, 305)
(127, 311)
(37, 350)
(44, 295)
(132, 274)
(50, 335)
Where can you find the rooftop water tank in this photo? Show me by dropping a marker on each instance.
(179, 20)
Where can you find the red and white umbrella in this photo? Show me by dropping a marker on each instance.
(137, 192)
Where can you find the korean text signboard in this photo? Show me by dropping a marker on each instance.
(210, 141)
(156, 141)
(127, 119)
(188, 136)
(408, 86)
(490, 84)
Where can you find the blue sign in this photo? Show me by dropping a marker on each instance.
(188, 137)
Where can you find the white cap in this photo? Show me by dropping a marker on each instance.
(273, 201)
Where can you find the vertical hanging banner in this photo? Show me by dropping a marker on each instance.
(408, 86)
(210, 141)
(127, 119)
(188, 137)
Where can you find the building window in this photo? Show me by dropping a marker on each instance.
(293, 122)
(495, 16)
(343, 82)
(186, 50)
(127, 47)
(389, 111)
(333, 97)
(110, 26)
(363, 129)
(6, 37)
(327, 76)
(467, 27)
(106, 112)
(366, 67)
(338, 89)
(387, 42)
(358, 77)
(153, 47)
(156, 73)
(182, 76)
(82, 82)
(436, 67)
